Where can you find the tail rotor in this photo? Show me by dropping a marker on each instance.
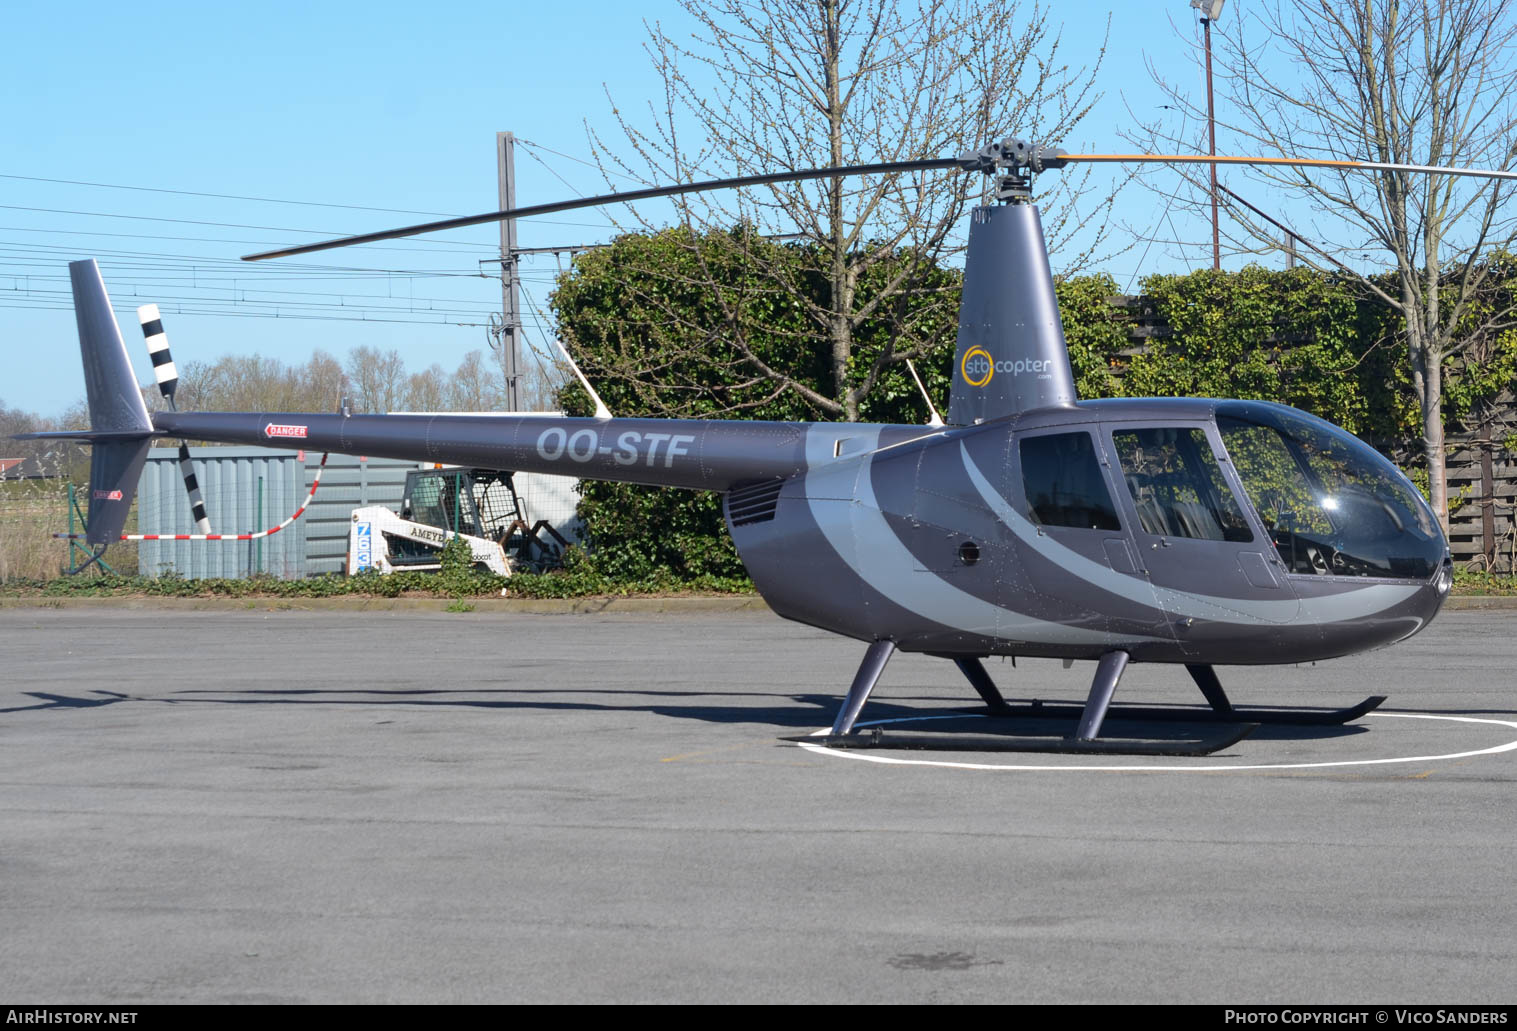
(158, 350)
(167, 376)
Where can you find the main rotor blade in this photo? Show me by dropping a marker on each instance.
(613, 198)
(966, 162)
(1204, 159)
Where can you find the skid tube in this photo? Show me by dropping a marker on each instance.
(875, 738)
(1188, 714)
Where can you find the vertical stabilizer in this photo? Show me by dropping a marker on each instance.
(115, 399)
(1011, 356)
(116, 406)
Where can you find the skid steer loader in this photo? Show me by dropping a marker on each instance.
(479, 505)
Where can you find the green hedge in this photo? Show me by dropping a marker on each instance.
(1295, 336)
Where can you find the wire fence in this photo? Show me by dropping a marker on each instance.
(35, 503)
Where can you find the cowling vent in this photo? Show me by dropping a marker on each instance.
(754, 502)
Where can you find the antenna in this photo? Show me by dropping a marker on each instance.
(601, 411)
(936, 419)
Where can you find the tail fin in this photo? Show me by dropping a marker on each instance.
(120, 428)
(1011, 357)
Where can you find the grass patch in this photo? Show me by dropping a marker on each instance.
(1481, 583)
(579, 579)
(31, 511)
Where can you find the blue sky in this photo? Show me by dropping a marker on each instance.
(372, 105)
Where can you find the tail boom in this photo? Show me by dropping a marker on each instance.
(695, 454)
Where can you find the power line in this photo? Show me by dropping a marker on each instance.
(213, 286)
(195, 239)
(571, 157)
(201, 222)
(271, 229)
(222, 196)
(302, 316)
(247, 292)
(228, 263)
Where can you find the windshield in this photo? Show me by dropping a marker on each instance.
(1332, 504)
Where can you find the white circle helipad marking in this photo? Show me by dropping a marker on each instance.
(847, 753)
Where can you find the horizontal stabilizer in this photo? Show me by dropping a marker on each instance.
(91, 436)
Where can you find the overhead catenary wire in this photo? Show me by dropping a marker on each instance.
(197, 222)
(220, 196)
(441, 320)
(146, 265)
(543, 332)
(195, 239)
(217, 284)
(571, 157)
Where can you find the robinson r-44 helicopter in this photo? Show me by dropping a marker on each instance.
(1196, 532)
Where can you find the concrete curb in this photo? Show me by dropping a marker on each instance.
(672, 605)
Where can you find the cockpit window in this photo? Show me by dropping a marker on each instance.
(1177, 486)
(1332, 504)
(1063, 483)
(1273, 479)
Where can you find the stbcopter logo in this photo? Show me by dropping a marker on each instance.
(978, 367)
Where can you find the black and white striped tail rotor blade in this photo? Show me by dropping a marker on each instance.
(158, 351)
(168, 381)
(192, 488)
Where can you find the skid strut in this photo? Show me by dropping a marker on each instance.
(863, 682)
(974, 672)
(1108, 672)
(1206, 679)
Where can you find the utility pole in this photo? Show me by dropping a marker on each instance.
(1210, 11)
(509, 340)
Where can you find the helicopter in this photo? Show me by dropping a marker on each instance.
(1030, 523)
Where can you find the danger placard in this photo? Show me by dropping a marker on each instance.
(275, 429)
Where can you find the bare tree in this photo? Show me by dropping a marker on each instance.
(1423, 82)
(770, 85)
(378, 379)
(427, 391)
(477, 385)
(322, 383)
(254, 383)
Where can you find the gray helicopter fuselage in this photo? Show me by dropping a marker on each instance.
(937, 543)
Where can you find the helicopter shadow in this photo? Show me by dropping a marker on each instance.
(784, 711)
(787, 711)
(48, 700)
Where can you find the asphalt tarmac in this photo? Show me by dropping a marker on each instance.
(311, 806)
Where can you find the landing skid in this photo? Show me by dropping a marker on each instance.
(1178, 714)
(875, 738)
(1086, 740)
